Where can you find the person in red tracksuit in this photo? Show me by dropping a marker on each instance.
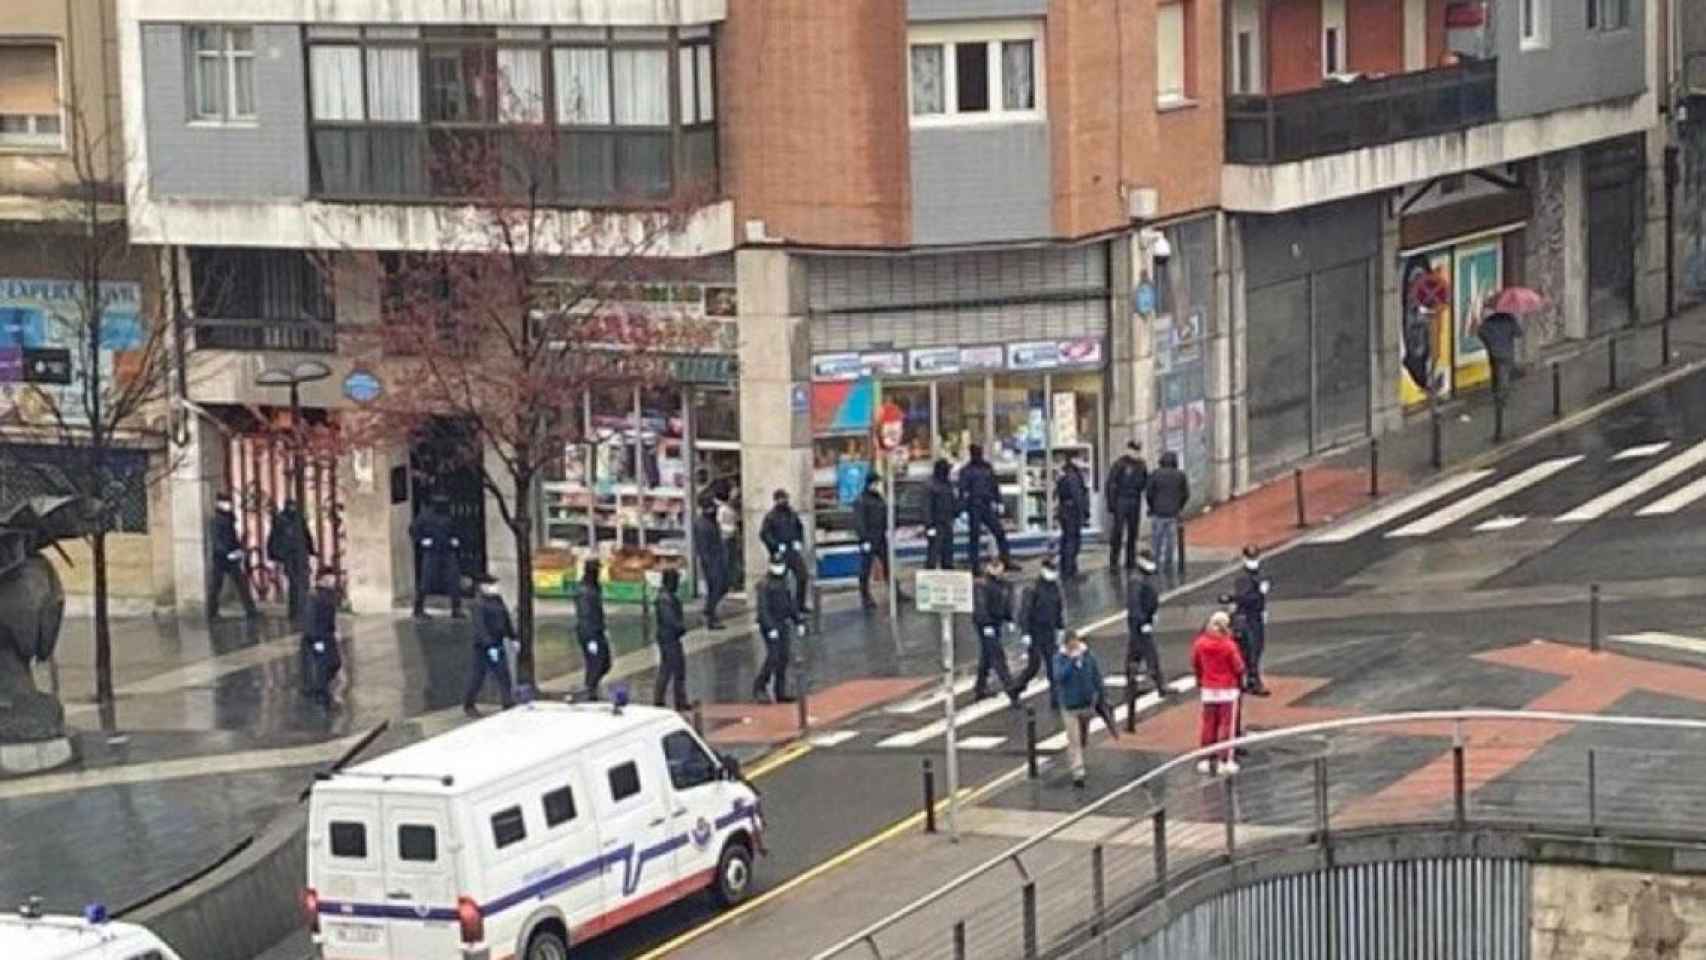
(1219, 669)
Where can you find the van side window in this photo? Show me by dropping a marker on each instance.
(507, 827)
(349, 839)
(150, 955)
(689, 764)
(417, 843)
(624, 781)
(559, 806)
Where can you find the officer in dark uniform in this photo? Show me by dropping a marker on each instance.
(941, 507)
(1126, 482)
(1142, 603)
(778, 622)
(436, 543)
(992, 608)
(784, 536)
(1072, 502)
(871, 526)
(672, 659)
(589, 628)
(980, 497)
(1250, 618)
(713, 555)
(1042, 625)
(290, 545)
(321, 660)
(225, 559)
(492, 630)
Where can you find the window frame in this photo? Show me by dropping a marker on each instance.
(403, 848)
(226, 55)
(545, 806)
(1598, 21)
(992, 35)
(1534, 21)
(37, 142)
(498, 843)
(1185, 96)
(332, 842)
(1335, 42)
(670, 768)
(610, 781)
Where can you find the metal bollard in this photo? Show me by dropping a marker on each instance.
(817, 609)
(1438, 457)
(645, 615)
(800, 703)
(1181, 538)
(1611, 352)
(1498, 418)
(1297, 495)
(1031, 742)
(699, 717)
(1557, 391)
(1131, 703)
(1593, 617)
(929, 798)
(1374, 467)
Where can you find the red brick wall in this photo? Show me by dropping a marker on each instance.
(1294, 45)
(1376, 41)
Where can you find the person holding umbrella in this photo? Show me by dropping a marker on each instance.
(1499, 330)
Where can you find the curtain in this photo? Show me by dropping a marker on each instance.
(394, 84)
(687, 76)
(642, 87)
(707, 90)
(334, 79)
(1170, 52)
(1018, 75)
(927, 79)
(521, 90)
(209, 85)
(583, 85)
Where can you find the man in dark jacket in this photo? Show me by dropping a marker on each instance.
(1126, 482)
(941, 507)
(290, 545)
(492, 630)
(225, 559)
(1250, 618)
(589, 628)
(436, 545)
(992, 607)
(1169, 491)
(784, 536)
(672, 659)
(980, 497)
(871, 526)
(778, 623)
(1042, 625)
(713, 560)
(321, 660)
(1500, 331)
(1072, 503)
(1142, 603)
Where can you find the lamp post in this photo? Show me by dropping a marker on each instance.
(308, 371)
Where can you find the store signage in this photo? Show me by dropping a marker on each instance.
(46, 365)
(1033, 356)
(948, 361)
(935, 361)
(11, 365)
(1144, 298)
(836, 366)
(363, 386)
(1085, 350)
(981, 358)
(944, 591)
(883, 364)
(801, 399)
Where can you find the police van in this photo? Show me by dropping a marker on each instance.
(30, 934)
(523, 833)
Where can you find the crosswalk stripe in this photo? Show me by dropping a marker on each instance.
(1144, 703)
(832, 739)
(1399, 507)
(933, 698)
(1675, 500)
(1644, 450)
(981, 743)
(1675, 641)
(971, 714)
(1474, 503)
(1500, 523)
(1640, 486)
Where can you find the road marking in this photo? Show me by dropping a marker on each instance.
(1474, 503)
(832, 739)
(1398, 508)
(1675, 641)
(1644, 450)
(782, 757)
(981, 743)
(1501, 523)
(924, 701)
(1640, 486)
(1143, 705)
(1675, 500)
(971, 714)
(249, 761)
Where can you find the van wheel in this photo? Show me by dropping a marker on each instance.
(547, 945)
(734, 874)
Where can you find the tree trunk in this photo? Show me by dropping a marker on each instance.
(103, 621)
(522, 530)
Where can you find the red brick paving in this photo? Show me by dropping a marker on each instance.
(733, 723)
(1174, 729)
(1267, 516)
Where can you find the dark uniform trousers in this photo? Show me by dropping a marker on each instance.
(991, 657)
(489, 659)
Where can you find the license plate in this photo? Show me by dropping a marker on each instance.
(359, 933)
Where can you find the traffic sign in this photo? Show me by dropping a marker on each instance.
(944, 591)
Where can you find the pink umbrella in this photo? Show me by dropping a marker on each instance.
(1517, 300)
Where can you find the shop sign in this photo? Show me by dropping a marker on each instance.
(944, 591)
(1086, 350)
(936, 360)
(1033, 356)
(362, 386)
(800, 399)
(836, 366)
(883, 364)
(47, 365)
(981, 358)
(1144, 299)
(11, 365)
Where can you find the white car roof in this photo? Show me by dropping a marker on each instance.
(66, 937)
(495, 748)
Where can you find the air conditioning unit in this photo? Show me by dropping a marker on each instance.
(1142, 203)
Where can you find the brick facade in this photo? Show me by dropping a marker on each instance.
(1376, 28)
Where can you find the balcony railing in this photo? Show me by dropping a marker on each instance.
(292, 336)
(1364, 113)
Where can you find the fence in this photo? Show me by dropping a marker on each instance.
(1061, 889)
(312, 336)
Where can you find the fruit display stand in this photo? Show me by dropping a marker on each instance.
(630, 573)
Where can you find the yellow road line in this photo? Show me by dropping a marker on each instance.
(863, 846)
(784, 756)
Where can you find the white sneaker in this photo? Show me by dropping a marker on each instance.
(1204, 767)
(1229, 768)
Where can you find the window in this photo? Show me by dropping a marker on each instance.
(624, 781)
(1333, 56)
(29, 96)
(1170, 54)
(1608, 14)
(689, 764)
(223, 73)
(1535, 16)
(1246, 19)
(508, 827)
(349, 840)
(988, 72)
(417, 843)
(559, 806)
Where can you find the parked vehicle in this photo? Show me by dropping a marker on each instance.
(30, 934)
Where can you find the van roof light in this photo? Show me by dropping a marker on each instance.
(95, 913)
(618, 698)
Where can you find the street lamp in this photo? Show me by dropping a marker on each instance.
(308, 371)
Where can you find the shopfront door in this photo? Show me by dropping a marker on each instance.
(438, 466)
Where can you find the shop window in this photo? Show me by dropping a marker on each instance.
(961, 419)
(975, 72)
(29, 96)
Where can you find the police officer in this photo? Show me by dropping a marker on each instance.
(941, 507)
(672, 659)
(778, 622)
(1124, 491)
(785, 537)
(321, 660)
(225, 559)
(871, 526)
(1142, 603)
(589, 628)
(992, 607)
(492, 630)
(1250, 618)
(434, 533)
(1042, 625)
(290, 545)
(1072, 503)
(980, 497)
(713, 555)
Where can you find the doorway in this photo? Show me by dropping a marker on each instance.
(442, 463)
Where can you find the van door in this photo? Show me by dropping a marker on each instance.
(420, 879)
(694, 804)
(571, 846)
(346, 871)
(633, 825)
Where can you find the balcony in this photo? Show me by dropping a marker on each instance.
(259, 299)
(1263, 130)
(312, 336)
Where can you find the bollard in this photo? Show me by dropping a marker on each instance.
(1664, 336)
(1593, 617)
(817, 609)
(699, 717)
(929, 798)
(1611, 352)
(1181, 538)
(1438, 457)
(1498, 417)
(1557, 392)
(645, 616)
(1130, 702)
(1374, 467)
(1297, 495)
(800, 703)
(1031, 742)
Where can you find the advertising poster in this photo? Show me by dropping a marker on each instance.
(1042, 355)
(40, 326)
(981, 358)
(1479, 273)
(843, 407)
(1425, 342)
(935, 361)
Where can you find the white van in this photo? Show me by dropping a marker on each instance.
(31, 935)
(520, 834)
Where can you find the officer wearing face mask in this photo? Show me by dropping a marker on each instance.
(321, 660)
(1042, 626)
(225, 559)
(492, 629)
(1250, 618)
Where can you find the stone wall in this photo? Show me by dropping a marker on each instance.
(1588, 913)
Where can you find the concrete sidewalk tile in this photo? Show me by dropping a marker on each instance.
(732, 723)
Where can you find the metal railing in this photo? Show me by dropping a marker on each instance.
(1448, 769)
(1363, 113)
(294, 336)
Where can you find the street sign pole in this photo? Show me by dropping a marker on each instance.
(953, 738)
(888, 545)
